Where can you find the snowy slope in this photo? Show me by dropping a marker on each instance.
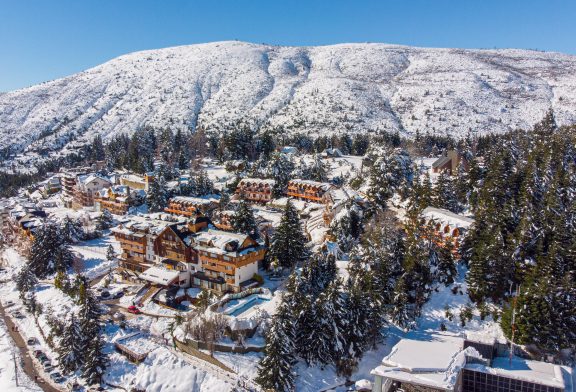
(355, 87)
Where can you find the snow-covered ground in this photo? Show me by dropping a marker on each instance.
(313, 90)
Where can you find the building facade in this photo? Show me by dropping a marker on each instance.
(308, 190)
(255, 190)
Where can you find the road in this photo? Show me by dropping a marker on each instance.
(27, 361)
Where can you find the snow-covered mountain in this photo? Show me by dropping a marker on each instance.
(354, 87)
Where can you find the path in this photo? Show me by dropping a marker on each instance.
(26, 359)
(124, 309)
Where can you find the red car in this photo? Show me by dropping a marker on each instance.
(133, 309)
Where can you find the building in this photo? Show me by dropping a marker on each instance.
(223, 219)
(137, 182)
(228, 260)
(137, 238)
(449, 226)
(21, 221)
(176, 241)
(86, 189)
(68, 182)
(51, 186)
(118, 199)
(308, 190)
(255, 190)
(442, 362)
(450, 163)
(191, 206)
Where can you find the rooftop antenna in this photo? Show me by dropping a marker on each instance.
(514, 301)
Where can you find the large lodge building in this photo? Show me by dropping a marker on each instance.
(308, 190)
(255, 190)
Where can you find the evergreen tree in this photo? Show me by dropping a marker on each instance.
(280, 169)
(243, 220)
(72, 230)
(288, 242)
(157, 197)
(95, 361)
(110, 254)
(275, 369)
(70, 346)
(391, 172)
(25, 281)
(104, 221)
(49, 251)
(445, 194)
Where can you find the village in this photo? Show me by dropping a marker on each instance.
(184, 296)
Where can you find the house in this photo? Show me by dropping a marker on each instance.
(176, 241)
(450, 227)
(450, 163)
(118, 199)
(255, 190)
(443, 362)
(308, 190)
(22, 221)
(86, 189)
(332, 153)
(51, 186)
(228, 260)
(137, 238)
(137, 182)
(223, 219)
(337, 198)
(191, 206)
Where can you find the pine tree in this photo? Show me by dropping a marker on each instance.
(95, 361)
(280, 169)
(445, 194)
(70, 346)
(25, 280)
(288, 242)
(110, 254)
(157, 197)
(104, 221)
(49, 251)
(275, 369)
(72, 230)
(243, 220)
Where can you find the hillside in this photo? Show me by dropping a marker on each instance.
(354, 87)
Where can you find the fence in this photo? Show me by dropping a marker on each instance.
(190, 349)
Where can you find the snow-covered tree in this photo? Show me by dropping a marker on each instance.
(243, 220)
(275, 370)
(157, 197)
(288, 242)
(70, 353)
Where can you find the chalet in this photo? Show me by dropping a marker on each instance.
(137, 182)
(191, 206)
(118, 199)
(449, 226)
(255, 190)
(51, 186)
(22, 221)
(176, 241)
(443, 362)
(228, 260)
(308, 190)
(450, 163)
(336, 199)
(223, 219)
(332, 153)
(86, 188)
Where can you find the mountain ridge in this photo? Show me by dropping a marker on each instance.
(355, 87)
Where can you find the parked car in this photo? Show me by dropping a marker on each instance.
(119, 294)
(47, 367)
(8, 304)
(118, 316)
(105, 294)
(56, 377)
(133, 309)
(18, 314)
(38, 353)
(32, 341)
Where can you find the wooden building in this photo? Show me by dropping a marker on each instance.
(450, 163)
(118, 199)
(86, 189)
(449, 227)
(228, 260)
(308, 190)
(191, 206)
(255, 190)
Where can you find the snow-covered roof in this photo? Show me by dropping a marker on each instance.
(521, 369)
(88, 178)
(447, 217)
(203, 200)
(215, 241)
(263, 181)
(432, 360)
(160, 275)
(322, 185)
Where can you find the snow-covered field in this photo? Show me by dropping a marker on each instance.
(315, 90)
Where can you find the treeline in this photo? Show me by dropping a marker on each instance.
(524, 239)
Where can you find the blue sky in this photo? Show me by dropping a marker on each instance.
(44, 39)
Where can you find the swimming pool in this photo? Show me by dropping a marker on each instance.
(236, 307)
